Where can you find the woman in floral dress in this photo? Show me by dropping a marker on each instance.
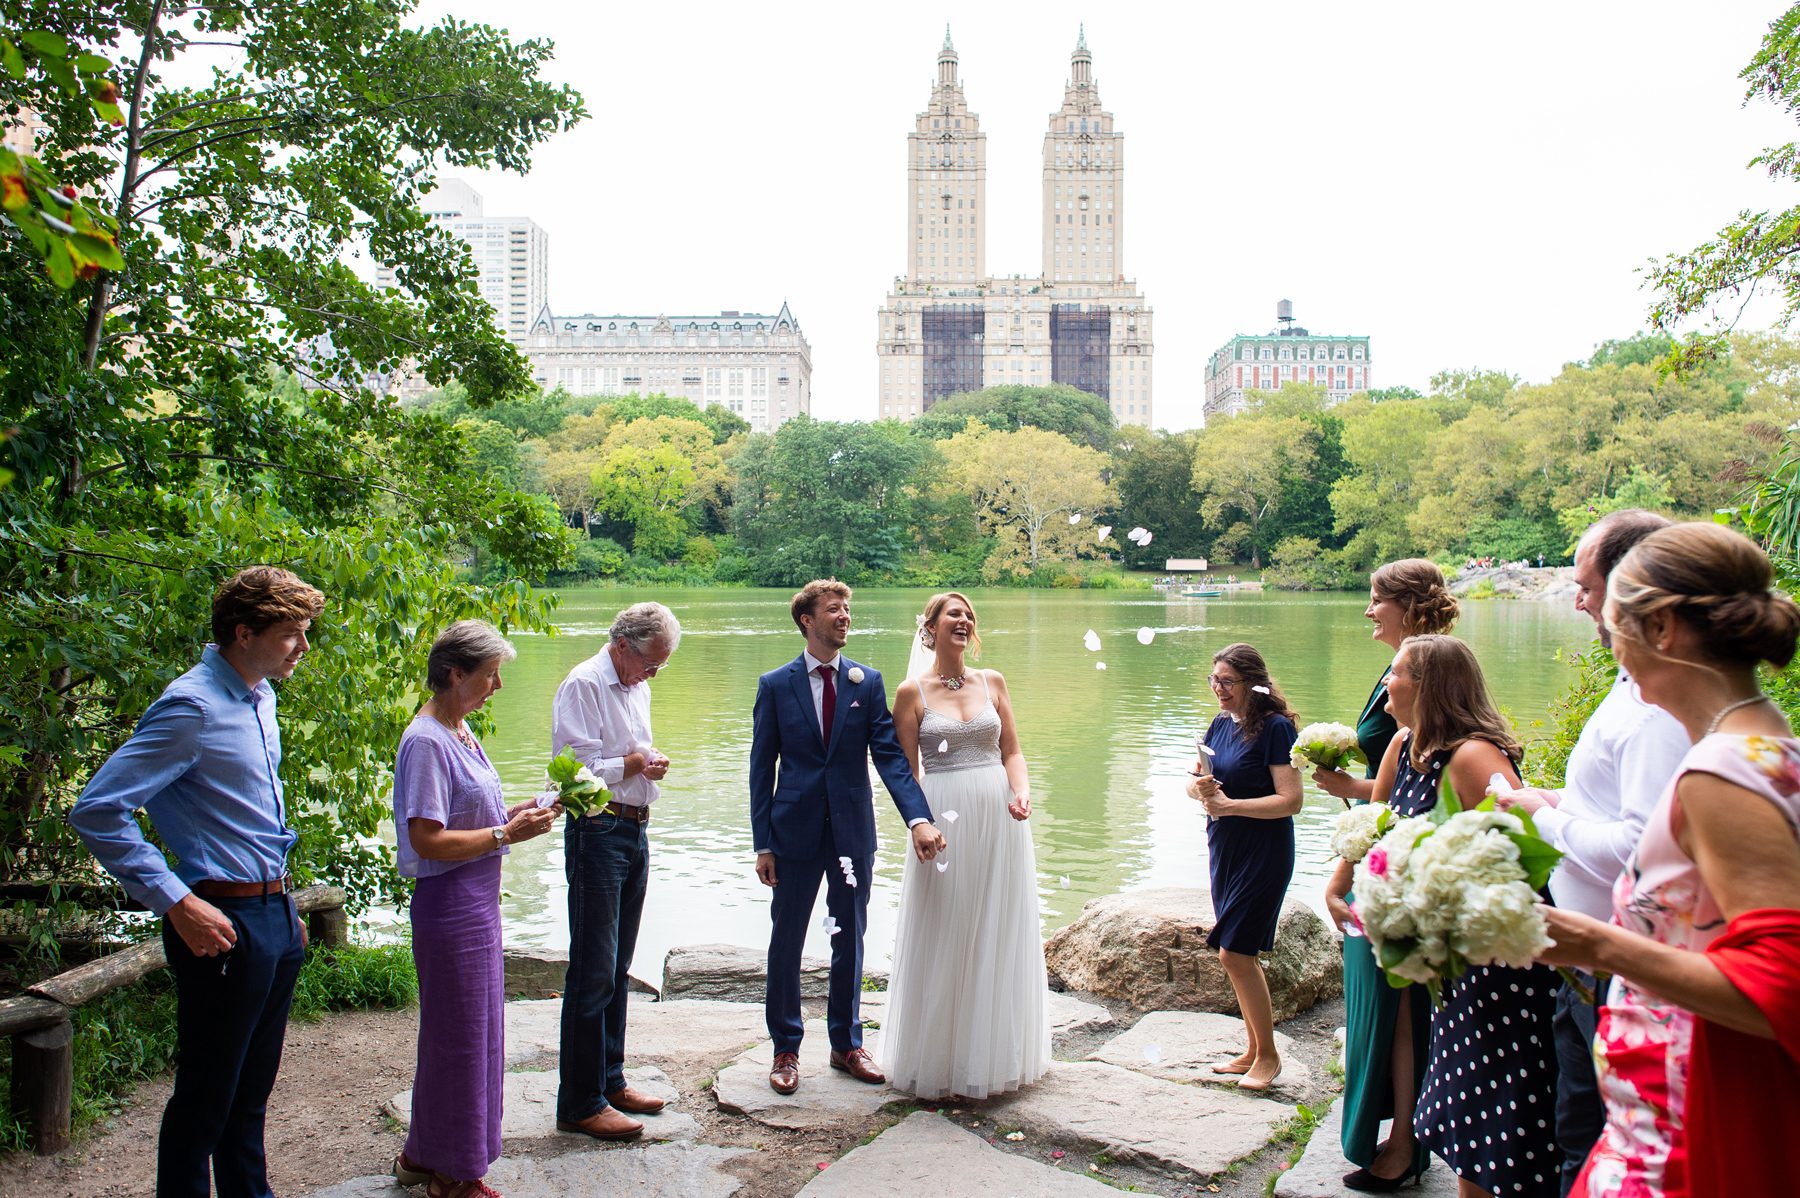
(1698, 1046)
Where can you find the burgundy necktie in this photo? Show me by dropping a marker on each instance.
(828, 708)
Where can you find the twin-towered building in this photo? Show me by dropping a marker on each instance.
(950, 326)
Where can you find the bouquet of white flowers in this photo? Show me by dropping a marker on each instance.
(577, 789)
(1438, 893)
(1330, 746)
(1359, 828)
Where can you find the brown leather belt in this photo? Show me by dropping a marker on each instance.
(636, 813)
(212, 889)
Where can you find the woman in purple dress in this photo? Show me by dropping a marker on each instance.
(452, 827)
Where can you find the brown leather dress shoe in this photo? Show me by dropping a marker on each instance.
(784, 1075)
(609, 1124)
(635, 1101)
(859, 1065)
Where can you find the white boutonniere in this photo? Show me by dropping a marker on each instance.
(855, 675)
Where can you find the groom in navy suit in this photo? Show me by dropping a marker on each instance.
(818, 721)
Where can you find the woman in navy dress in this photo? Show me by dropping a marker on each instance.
(1250, 798)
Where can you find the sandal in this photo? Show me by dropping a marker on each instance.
(443, 1187)
(408, 1174)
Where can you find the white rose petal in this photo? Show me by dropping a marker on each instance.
(1075, 518)
(1145, 539)
(1092, 641)
(943, 746)
(1261, 690)
(1153, 1053)
(1498, 786)
(942, 866)
(1101, 533)
(1099, 665)
(1064, 881)
(949, 817)
(1146, 635)
(1137, 532)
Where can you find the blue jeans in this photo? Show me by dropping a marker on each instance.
(1580, 1115)
(231, 1016)
(607, 862)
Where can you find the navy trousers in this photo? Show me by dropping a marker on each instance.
(232, 1013)
(796, 889)
(607, 862)
(1580, 1114)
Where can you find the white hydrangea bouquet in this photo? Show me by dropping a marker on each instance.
(577, 789)
(1359, 828)
(1329, 746)
(1438, 893)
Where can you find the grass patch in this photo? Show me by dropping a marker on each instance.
(128, 1036)
(1297, 1132)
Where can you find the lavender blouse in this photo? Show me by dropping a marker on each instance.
(438, 778)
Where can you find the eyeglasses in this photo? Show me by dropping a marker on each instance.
(1224, 684)
(650, 667)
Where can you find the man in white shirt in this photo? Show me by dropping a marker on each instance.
(602, 714)
(1626, 754)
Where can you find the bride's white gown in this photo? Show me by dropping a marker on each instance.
(965, 1012)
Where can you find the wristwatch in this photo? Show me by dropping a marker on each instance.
(499, 836)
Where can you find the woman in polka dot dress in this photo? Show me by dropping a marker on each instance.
(1488, 1105)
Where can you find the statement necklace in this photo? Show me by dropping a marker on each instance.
(1729, 708)
(954, 684)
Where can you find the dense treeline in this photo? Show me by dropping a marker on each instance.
(985, 484)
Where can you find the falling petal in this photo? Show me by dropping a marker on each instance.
(1146, 635)
(949, 817)
(942, 866)
(1099, 665)
(943, 746)
(1101, 533)
(1064, 881)
(1135, 533)
(1145, 539)
(1092, 641)
(1075, 519)
(1153, 1053)
(1261, 690)
(1498, 785)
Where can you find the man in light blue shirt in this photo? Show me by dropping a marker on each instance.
(204, 764)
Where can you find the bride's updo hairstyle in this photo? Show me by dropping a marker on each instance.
(1418, 587)
(934, 607)
(1716, 581)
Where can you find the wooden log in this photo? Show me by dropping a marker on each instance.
(85, 983)
(43, 1085)
(25, 1013)
(318, 898)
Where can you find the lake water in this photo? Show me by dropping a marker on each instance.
(1108, 749)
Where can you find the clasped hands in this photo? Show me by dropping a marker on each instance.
(1209, 794)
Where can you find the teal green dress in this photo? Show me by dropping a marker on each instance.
(1371, 1006)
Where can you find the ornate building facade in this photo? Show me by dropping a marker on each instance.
(1285, 354)
(949, 326)
(758, 366)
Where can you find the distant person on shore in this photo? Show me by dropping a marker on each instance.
(1385, 1029)
(602, 715)
(1622, 762)
(451, 828)
(205, 763)
(818, 722)
(1698, 1044)
(1251, 792)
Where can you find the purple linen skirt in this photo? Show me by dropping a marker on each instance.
(458, 1088)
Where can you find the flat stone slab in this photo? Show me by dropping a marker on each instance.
(530, 1111)
(653, 1171)
(827, 1097)
(1183, 1046)
(1320, 1171)
(738, 974)
(677, 1030)
(1067, 1014)
(1141, 1120)
(925, 1153)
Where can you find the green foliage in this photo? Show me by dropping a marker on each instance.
(1154, 473)
(355, 977)
(161, 432)
(1302, 564)
(1059, 408)
(1594, 673)
(1642, 489)
(1515, 539)
(724, 423)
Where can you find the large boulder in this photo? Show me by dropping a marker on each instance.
(735, 974)
(1148, 948)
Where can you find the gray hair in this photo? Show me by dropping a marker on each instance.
(644, 624)
(466, 645)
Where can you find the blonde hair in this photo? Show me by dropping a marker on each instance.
(1714, 580)
(1453, 706)
(934, 607)
(1418, 586)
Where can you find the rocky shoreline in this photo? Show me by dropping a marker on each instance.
(1553, 583)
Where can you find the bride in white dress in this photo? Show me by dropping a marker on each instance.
(965, 1013)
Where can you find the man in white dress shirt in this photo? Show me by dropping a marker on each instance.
(1626, 754)
(602, 714)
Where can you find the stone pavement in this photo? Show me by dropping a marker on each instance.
(1183, 1046)
(926, 1153)
(1319, 1173)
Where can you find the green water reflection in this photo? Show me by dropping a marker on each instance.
(1107, 748)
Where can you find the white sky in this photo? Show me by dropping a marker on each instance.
(1468, 185)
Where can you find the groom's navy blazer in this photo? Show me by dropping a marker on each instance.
(797, 779)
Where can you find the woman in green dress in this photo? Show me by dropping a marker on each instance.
(1384, 1029)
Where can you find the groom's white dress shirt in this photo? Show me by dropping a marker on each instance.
(604, 722)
